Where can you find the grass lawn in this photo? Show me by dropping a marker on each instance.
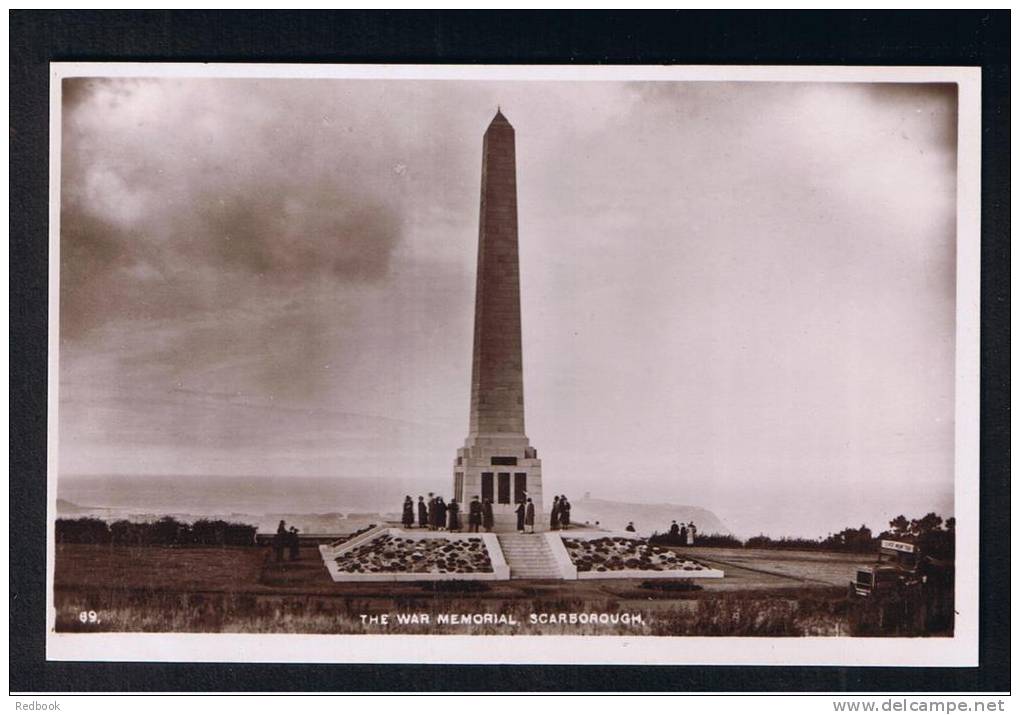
(235, 589)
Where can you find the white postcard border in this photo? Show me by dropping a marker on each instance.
(959, 650)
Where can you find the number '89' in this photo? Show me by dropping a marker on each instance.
(88, 617)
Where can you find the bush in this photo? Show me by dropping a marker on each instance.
(165, 532)
(725, 540)
(455, 586)
(670, 585)
(82, 531)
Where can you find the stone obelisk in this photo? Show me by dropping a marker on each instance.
(497, 462)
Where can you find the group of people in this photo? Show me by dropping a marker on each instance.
(684, 533)
(559, 517)
(286, 539)
(437, 515)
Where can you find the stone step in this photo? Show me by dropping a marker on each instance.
(528, 554)
(529, 557)
(534, 565)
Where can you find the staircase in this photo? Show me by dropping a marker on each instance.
(529, 557)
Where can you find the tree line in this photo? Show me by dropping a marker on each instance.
(934, 536)
(166, 531)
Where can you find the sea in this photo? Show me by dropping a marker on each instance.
(313, 504)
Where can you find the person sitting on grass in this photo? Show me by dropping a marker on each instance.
(630, 526)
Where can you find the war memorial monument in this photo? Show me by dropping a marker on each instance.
(497, 464)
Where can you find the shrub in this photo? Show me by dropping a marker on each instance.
(455, 586)
(165, 532)
(670, 585)
(82, 531)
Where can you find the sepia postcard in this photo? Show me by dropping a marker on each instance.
(514, 364)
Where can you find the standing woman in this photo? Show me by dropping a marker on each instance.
(280, 540)
(529, 517)
(408, 516)
(554, 516)
(564, 512)
(453, 514)
(520, 516)
(433, 510)
(440, 514)
(423, 513)
(487, 518)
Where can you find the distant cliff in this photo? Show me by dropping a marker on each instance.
(646, 517)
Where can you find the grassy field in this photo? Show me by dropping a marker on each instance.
(775, 568)
(159, 589)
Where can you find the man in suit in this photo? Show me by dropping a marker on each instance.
(474, 514)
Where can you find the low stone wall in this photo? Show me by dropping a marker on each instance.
(500, 569)
(567, 568)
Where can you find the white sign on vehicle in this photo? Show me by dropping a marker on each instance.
(898, 546)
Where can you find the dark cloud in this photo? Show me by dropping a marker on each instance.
(219, 186)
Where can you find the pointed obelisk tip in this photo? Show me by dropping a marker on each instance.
(499, 118)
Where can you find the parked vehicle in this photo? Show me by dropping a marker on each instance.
(896, 571)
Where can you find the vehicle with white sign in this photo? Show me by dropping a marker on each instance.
(895, 571)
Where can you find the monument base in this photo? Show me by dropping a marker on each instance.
(503, 468)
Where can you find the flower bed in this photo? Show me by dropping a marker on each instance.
(390, 554)
(616, 553)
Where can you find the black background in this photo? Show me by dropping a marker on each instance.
(974, 38)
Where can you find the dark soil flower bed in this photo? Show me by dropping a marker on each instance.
(615, 553)
(394, 554)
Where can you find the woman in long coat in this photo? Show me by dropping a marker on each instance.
(434, 512)
(423, 513)
(564, 512)
(554, 516)
(529, 517)
(440, 513)
(453, 515)
(487, 519)
(520, 516)
(408, 516)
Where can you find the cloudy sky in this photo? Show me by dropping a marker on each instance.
(735, 295)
